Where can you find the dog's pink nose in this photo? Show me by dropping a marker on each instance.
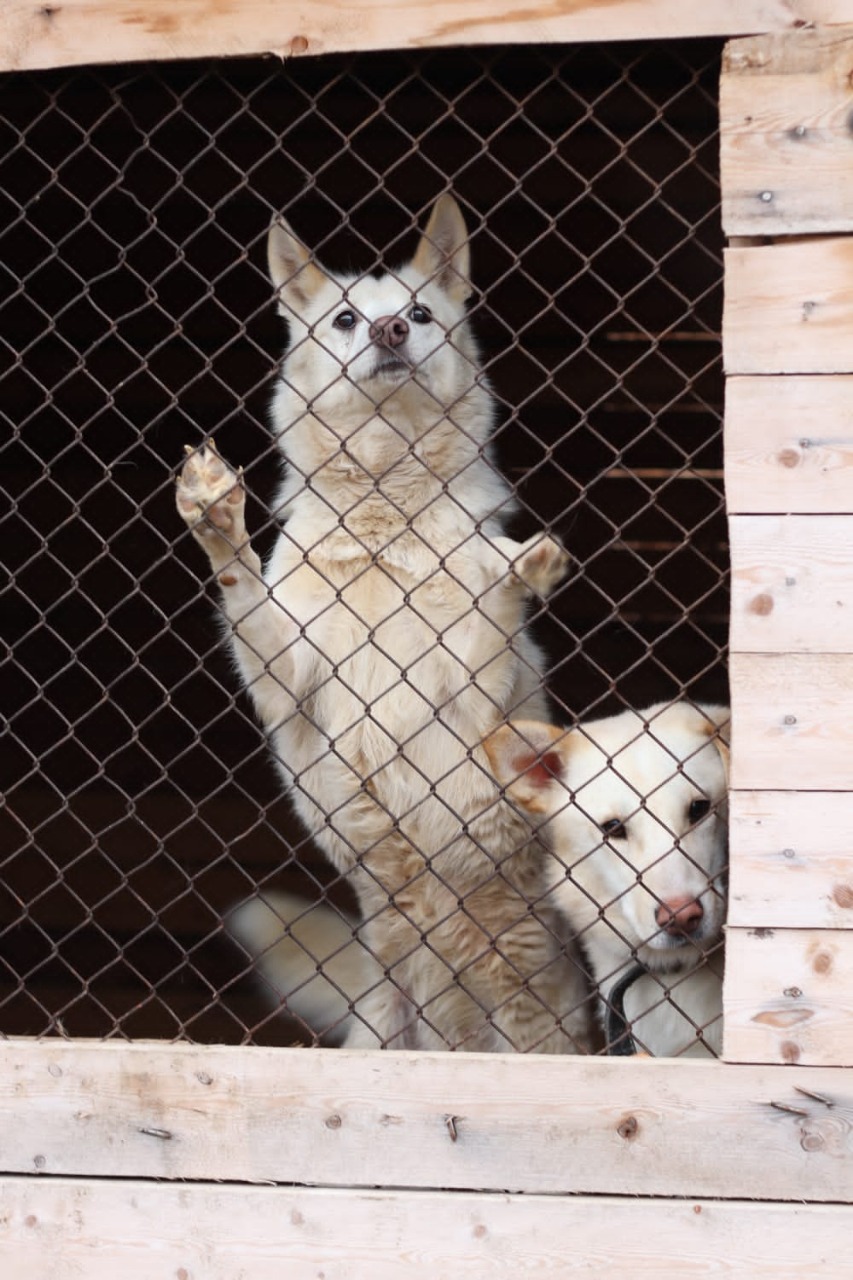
(679, 915)
(391, 331)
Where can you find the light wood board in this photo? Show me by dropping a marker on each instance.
(789, 444)
(789, 307)
(62, 1230)
(786, 143)
(791, 860)
(792, 717)
(36, 35)
(339, 1118)
(792, 584)
(789, 997)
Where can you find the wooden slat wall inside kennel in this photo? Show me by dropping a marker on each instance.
(787, 169)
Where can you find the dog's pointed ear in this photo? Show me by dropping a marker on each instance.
(443, 256)
(719, 730)
(296, 278)
(528, 759)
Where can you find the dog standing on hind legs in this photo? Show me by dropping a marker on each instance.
(384, 641)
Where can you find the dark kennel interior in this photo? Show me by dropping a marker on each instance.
(140, 803)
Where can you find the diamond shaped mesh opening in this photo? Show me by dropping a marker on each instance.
(142, 801)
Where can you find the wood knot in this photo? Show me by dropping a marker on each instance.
(789, 1051)
(333, 1121)
(842, 896)
(822, 962)
(762, 604)
(299, 44)
(789, 457)
(628, 1128)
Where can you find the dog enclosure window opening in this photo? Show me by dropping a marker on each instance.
(156, 879)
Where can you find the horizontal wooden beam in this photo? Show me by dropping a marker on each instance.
(791, 861)
(792, 717)
(789, 307)
(63, 1229)
(792, 586)
(463, 1121)
(71, 32)
(789, 997)
(786, 134)
(789, 444)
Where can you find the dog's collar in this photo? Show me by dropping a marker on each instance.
(620, 1041)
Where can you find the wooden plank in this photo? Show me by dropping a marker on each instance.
(789, 307)
(33, 34)
(60, 1230)
(342, 1118)
(786, 146)
(792, 584)
(791, 859)
(789, 997)
(789, 444)
(793, 722)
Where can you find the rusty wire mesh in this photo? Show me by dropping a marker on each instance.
(141, 803)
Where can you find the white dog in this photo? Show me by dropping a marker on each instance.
(382, 643)
(635, 809)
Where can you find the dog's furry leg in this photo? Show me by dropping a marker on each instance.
(211, 499)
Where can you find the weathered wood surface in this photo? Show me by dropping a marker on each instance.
(792, 584)
(80, 31)
(789, 998)
(789, 444)
(336, 1118)
(56, 1229)
(793, 722)
(792, 859)
(786, 141)
(789, 307)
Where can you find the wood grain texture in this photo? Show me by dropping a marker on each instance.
(792, 584)
(58, 1230)
(791, 859)
(338, 1118)
(793, 722)
(789, 444)
(789, 307)
(786, 145)
(36, 35)
(789, 997)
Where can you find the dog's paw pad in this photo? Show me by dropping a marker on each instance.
(543, 566)
(210, 494)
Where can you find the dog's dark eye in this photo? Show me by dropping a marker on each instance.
(344, 320)
(420, 315)
(698, 810)
(614, 829)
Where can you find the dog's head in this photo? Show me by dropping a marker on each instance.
(357, 343)
(634, 809)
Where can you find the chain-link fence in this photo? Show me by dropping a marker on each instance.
(142, 802)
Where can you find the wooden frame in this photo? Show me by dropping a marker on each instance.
(711, 1154)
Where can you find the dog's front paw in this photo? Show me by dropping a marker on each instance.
(210, 496)
(542, 563)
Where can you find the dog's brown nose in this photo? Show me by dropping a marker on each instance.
(679, 915)
(390, 331)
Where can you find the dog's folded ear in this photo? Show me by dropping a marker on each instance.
(443, 256)
(528, 759)
(719, 730)
(296, 278)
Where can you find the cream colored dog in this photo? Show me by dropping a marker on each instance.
(635, 809)
(383, 642)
